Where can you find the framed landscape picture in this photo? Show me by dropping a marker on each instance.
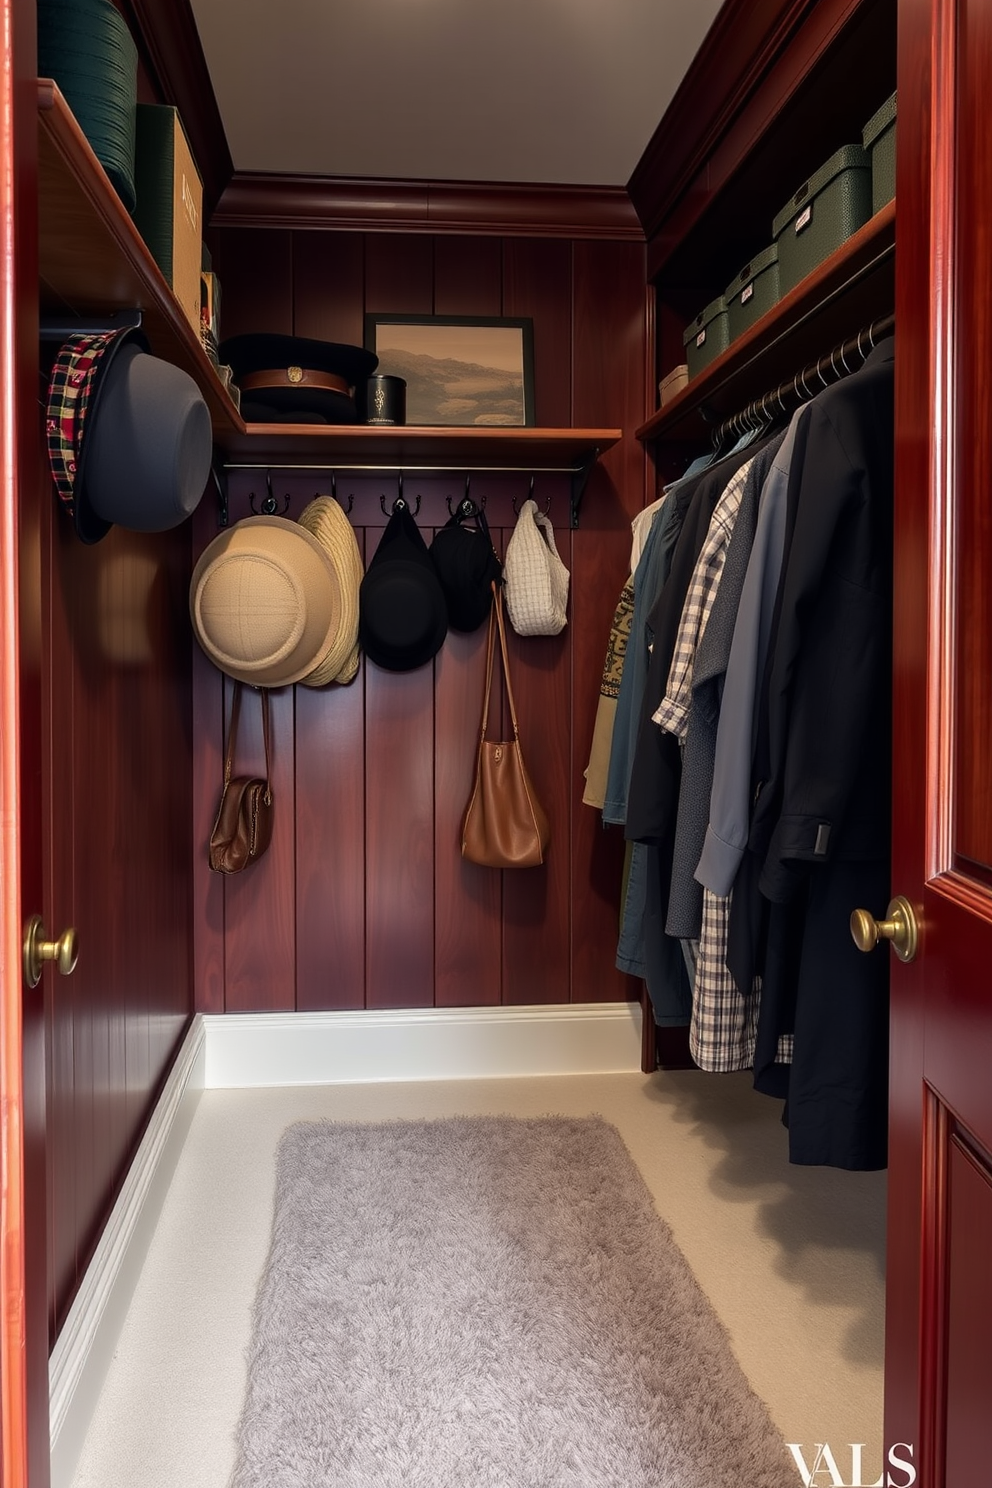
(459, 370)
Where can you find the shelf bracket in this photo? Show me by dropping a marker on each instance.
(219, 474)
(580, 478)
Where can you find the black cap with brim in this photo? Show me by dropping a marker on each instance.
(292, 360)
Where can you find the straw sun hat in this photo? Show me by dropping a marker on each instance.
(327, 522)
(273, 602)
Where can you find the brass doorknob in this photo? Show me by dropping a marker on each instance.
(37, 950)
(899, 926)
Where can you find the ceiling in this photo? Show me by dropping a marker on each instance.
(562, 91)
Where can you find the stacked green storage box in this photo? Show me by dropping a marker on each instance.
(879, 139)
(708, 335)
(822, 214)
(86, 47)
(753, 291)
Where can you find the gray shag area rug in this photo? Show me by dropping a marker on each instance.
(486, 1302)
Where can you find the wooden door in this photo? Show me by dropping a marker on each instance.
(938, 1362)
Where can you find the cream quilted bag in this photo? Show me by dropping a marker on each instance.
(534, 577)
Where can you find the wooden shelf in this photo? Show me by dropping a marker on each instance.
(852, 287)
(93, 261)
(354, 446)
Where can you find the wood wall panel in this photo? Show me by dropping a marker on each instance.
(468, 900)
(399, 808)
(537, 281)
(329, 286)
(255, 269)
(399, 274)
(468, 276)
(330, 844)
(381, 908)
(208, 774)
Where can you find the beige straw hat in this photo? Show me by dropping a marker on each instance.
(265, 601)
(329, 525)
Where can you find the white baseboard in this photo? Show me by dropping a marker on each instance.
(84, 1348)
(257, 1049)
(265, 1049)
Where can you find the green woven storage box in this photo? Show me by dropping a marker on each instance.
(708, 335)
(86, 47)
(822, 214)
(753, 291)
(879, 139)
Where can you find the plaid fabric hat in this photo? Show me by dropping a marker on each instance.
(69, 391)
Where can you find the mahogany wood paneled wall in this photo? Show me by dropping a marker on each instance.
(118, 856)
(363, 899)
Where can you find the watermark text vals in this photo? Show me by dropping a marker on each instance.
(819, 1466)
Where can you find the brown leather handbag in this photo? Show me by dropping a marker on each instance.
(504, 825)
(243, 829)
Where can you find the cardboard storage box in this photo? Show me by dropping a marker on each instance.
(169, 207)
(822, 214)
(708, 335)
(753, 291)
(879, 138)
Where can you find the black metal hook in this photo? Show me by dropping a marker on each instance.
(334, 496)
(270, 504)
(401, 503)
(530, 497)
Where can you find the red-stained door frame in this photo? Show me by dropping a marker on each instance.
(24, 1439)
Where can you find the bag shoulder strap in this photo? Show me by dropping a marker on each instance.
(496, 623)
(232, 736)
(232, 733)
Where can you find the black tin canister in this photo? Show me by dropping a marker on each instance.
(385, 400)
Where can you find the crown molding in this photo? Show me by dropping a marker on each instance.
(745, 41)
(169, 42)
(353, 204)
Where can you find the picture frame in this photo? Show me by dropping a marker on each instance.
(461, 371)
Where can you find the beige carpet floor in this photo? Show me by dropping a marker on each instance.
(792, 1258)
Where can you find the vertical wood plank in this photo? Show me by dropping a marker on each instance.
(259, 904)
(537, 281)
(399, 273)
(208, 774)
(331, 865)
(468, 897)
(468, 276)
(535, 900)
(255, 268)
(609, 383)
(329, 286)
(399, 824)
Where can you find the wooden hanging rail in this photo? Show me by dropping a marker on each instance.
(812, 379)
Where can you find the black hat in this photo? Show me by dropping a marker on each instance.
(291, 379)
(467, 566)
(402, 618)
(129, 436)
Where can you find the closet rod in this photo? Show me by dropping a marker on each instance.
(812, 379)
(383, 469)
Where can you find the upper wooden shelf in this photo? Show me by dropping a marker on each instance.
(93, 262)
(354, 446)
(851, 288)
